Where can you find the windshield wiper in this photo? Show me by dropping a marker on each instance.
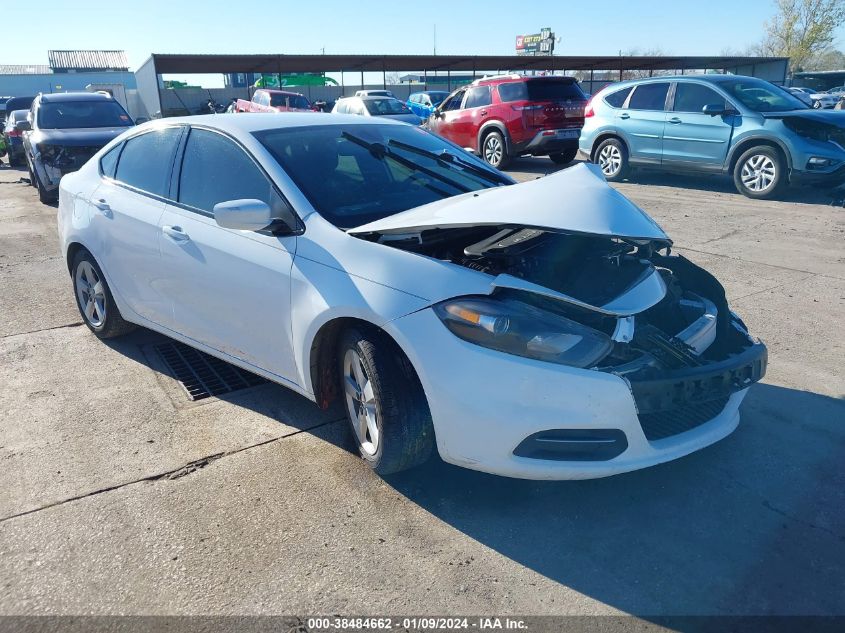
(382, 151)
(446, 157)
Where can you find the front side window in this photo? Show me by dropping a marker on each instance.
(692, 97)
(215, 169)
(146, 160)
(478, 96)
(354, 174)
(80, 114)
(453, 102)
(650, 96)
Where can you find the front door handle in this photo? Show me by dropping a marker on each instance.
(674, 120)
(624, 115)
(175, 233)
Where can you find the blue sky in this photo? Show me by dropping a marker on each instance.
(389, 26)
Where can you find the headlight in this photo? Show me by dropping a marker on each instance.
(515, 327)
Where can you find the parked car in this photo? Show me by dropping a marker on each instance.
(387, 107)
(13, 137)
(63, 131)
(3, 113)
(507, 116)
(374, 93)
(814, 98)
(537, 330)
(423, 103)
(274, 101)
(742, 126)
(19, 103)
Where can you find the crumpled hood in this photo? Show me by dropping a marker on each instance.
(574, 200)
(831, 117)
(78, 137)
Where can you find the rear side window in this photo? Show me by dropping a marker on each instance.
(617, 99)
(691, 97)
(108, 163)
(146, 160)
(649, 97)
(478, 96)
(215, 169)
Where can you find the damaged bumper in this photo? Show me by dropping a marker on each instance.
(53, 162)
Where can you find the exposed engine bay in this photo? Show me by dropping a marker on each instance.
(687, 326)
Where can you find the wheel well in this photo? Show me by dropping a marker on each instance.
(744, 146)
(601, 139)
(493, 127)
(323, 357)
(72, 250)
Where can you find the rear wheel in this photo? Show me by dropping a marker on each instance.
(494, 150)
(564, 158)
(760, 172)
(612, 157)
(94, 298)
(385, 404)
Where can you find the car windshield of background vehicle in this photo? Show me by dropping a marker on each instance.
(351, 184)
(387, 106)
(80, 114)
(540, 90)
(761, 96)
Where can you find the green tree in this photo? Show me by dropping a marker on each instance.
(802, 30)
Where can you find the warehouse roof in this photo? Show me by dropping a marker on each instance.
(24, 69)
(87, 60)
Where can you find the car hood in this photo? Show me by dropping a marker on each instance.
(574, 200)
(78, 137)
(405, 118)
(832, 117)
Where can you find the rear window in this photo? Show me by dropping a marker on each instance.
(540, 90)
(78, 114)
(290, 101)
(649, 97)
(617, 98)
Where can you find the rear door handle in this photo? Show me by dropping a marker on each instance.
(104, 207)
(624, 115)
(484, 113)
(175, 233)
(674, 120)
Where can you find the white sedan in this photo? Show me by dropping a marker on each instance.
(538, 330)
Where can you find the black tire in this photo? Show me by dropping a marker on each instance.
(766, 162)
(565, 157)
(46, 197)
(495, 158)
(402, 417)
(112, 324)
(31, 174)
(612, 156)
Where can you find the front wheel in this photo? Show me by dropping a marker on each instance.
(564, 158)
(760, 173)
(94, 298)
(494, 151)
(385, 404)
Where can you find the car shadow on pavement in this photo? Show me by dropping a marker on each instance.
(752, 525)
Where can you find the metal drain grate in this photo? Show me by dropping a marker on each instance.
(202, 375)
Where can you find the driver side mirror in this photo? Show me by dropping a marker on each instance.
(717, 109)
(243, 215)
(23, 126)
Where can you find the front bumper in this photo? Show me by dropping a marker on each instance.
(484, 404)
(803, 178)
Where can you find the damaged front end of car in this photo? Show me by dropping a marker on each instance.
(610, 300)
(57, 160)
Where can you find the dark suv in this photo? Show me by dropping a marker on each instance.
(64, 130)
(511, 115)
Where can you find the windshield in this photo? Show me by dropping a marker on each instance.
(381, 107)
(355, 174)
(762, 96)
(290, 101)
(73, 114)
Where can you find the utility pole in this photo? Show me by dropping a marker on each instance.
(435, 39)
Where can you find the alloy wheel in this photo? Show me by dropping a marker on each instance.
(91, 294)
(758, 173)
(361, 402)
(610, 160)
(493, 150)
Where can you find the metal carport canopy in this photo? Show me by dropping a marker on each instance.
(275, 63)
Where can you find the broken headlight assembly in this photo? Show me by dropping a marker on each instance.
(817, 131)
(517, 328)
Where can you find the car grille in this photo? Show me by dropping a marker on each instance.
(661, 424)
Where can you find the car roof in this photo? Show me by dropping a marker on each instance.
(60, 97)
(275, 91)
(249, 122)
(18, 114)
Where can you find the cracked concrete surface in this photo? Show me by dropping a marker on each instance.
(117, 496)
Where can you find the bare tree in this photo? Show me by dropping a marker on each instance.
(393, 79)
(830, 59)
(802, 29)
(639, 73)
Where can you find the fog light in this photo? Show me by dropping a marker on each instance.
(816, 162)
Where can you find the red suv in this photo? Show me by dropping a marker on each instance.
(511, 115)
